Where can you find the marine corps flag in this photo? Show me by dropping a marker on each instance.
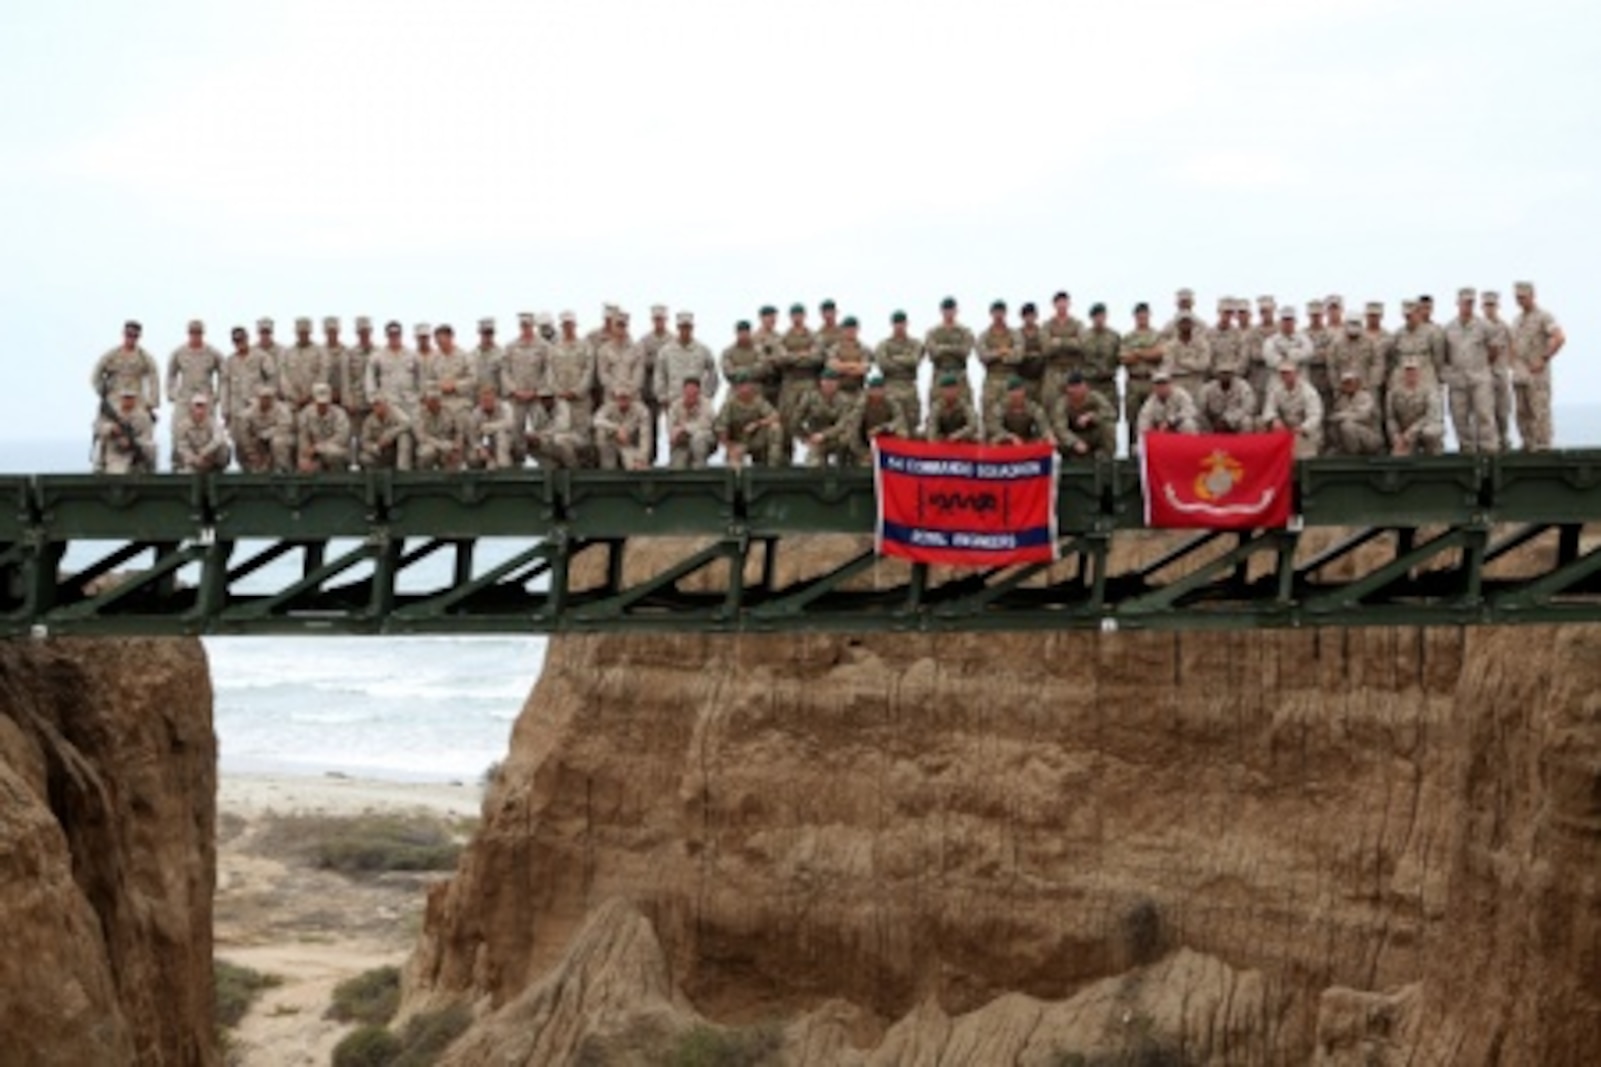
(1217, 481)
(965, 505)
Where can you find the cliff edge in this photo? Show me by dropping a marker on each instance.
(107, 853)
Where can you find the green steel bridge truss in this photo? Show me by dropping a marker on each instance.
(1440, 540)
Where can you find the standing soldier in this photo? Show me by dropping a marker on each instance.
(1064, 348)
(950, 414)
(1141, 354)
(1166, 409)
(267, 344)
(1287, 345)
(352, 385)
(1536, 340)
(1334, 312)
(487, 358)
(1416, 342)
(1383, 342)
(770, 343)
(1500, 365)
(386, 441)
(199, 443)
(1224, 338)
(1183, 304)
(877, 413)
(438, 433)
(335, 352)
(849, 358)
(744, 356)
(1292, 404)
(608, 322)
(1000, 353)
(1352, 350)
(194, 367)
(829, 333)
(1254, 342)
(571, 373)
(125, 435)
(624, 437)
(620, 364)
(1031, 353)
(1187, 355)
(128, 366)
(1017, 420)
(691, 429)
(899, 357)
(1084, 421)
(1100, 349)
(301, 366)
(1412, 416)
(801, 359)
(393, 371)
(1470, 388)
(748, 426)
(487, 432)
(265, 437)
(425, 343)
(451, 371)
(821, 422)
(684, 357)
(948, 345)
(650, 345)
(1226, 403)
(244, 372)
(322, 434)
(1353, 421)
(522, 376)
(1317, 366)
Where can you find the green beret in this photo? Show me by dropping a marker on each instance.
(849, 322)
(875, 380)
(768, 309)
(898, 316)
(829, 372)
(740, 377)
(826, 305)
(742, 326)
(947, 304)
(1028, 309)
(1097, 309)
(998, 305)
(1014, 382)
(948, 379)
(797, 309)
(1142, 306)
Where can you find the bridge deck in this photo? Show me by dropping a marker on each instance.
(1442, 540)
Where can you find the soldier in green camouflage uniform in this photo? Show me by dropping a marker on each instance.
(1064, 348)
(1101, 349)
(1000, 353)
(799, 362)
(744, 356)
(877, 413)
(770, 343)
(898, 357)
(948, 346)
(830, 331)
(1017, 420)
(950, 414)
(821, 422)
(748, 427)
(849, 358)
(1031, 354)
(1084, 421)
(1141, 355)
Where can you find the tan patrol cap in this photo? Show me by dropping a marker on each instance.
(1409, 363)
(1523, 288)
(1334, 300)
(422, 329)
(266, 390)
(485, 324)
(363, 322)
(609, 310)
(1266, 302)
(1352, 326)
(196, 325)
(623, 390)
(432, 393)
(1350, 375)
(658, 311)
(1184, 294)
(1408, 306)
(686, 318)
(569, 319)
(544, 319)
(1225, 303)
(200, 400)
(322, 393)
(1314, 307)
(1490, 296)
(1375, 307)
(302, 323)
(1467, 292)
(263, 324)
(1162, 375)
(527, 318)
(330, 322)
(1287, 312)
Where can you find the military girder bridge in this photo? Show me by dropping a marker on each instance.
(1447, 540)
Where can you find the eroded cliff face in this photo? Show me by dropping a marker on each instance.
(107, 853)
(1341, 847)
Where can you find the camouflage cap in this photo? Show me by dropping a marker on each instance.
(133, 324)
(545, 392)
(1266, 302)
(621, 316)
(1186, 318)
(658, 311)
(1467, 293)
(266, 391)
(201, 400)
(1490, 296)
(423, 329)
(485, 325)
(322, 392)
(363, 322)
(1409, 363)
(544, 319)
(1349, 374)
(1353, 326)
(1374, 307)
(623, 391)
(1162, 375)
(1523, 288)
(1287, 312)
(686, 318)
(303, 323)
(1408, 306)
(527, 318)
(1227, 365)
(1314, 307)
(432, 392)
(263, 324)
(1334, 300)
(330, 322)
(569, 318)
(133, 394)
(609, 310)
(1184, 294)
(444, 329)
(196, 326)
(1225, 303)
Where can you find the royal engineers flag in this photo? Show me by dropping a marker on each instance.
(1217, 481)
(965, 505)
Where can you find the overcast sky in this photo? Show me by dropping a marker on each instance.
(439, 162)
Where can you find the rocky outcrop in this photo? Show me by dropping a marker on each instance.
(1341, 847)
(107, 853)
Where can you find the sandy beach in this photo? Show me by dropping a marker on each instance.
(307, 927)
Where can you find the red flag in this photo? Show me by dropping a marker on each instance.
(966, 505)
(1218, 481)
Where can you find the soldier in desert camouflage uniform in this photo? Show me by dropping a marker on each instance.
(301, 365)
(570, 371)
(386, 439)
(1292, 404)
(194, 367)
(439, 434)
(264, 435)
(1187, 355)
(1470, 388)
(452, 371)
(1352, 423)
(199, 443)
(691, 429)
(1167, 408)
(128, 366)
(393, 371)
(1536, 340)
(522, 375)
(1226, 404)
(1412, 414)
(624, 436)
(1500, 365)
(322, 434)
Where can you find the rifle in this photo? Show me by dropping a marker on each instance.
(108, 410)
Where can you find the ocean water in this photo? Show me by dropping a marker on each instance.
(398, 708)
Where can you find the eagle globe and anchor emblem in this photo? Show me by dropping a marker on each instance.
(1218, 476)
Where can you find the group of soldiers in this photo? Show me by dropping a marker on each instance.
(564, 399)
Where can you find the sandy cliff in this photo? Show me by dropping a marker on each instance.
(1342, 847)
(107, 844)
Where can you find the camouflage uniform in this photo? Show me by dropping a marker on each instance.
(199, 444)
(263, 440)
(824, 416)
(119, 455)
(948, 348)
(1230, 409)
(395, 374)
(386, 440)
(801, 359)
(299, 368)
(650, 346)
(1176, 414)
(487, 359)
(871, 416)
(455, 375)
(1470, 387)
(1413, 419)
(1189, 363)
(1352, 424)
(691, 434)
(1501, 379)
(1027, 422)
(1356, 352)
(121, 369)
(522, 370)
(677, 362)
(1000, 351)
(1031, 364)
(570, 374)
(1531, 377)
(851, 360)
(192, 370)
(1318, 374)
(352, 386)
(1098, 352)
(956, 421)
(1300, 409)
(323, 437)
(752, 428)
(1091, 422)
(1064, 353)
(243, 375)
(1137, 388)
(439, 438)
(489, 436)
(635, 424)
(1420, 344)
(898, 359)
(748, 358)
